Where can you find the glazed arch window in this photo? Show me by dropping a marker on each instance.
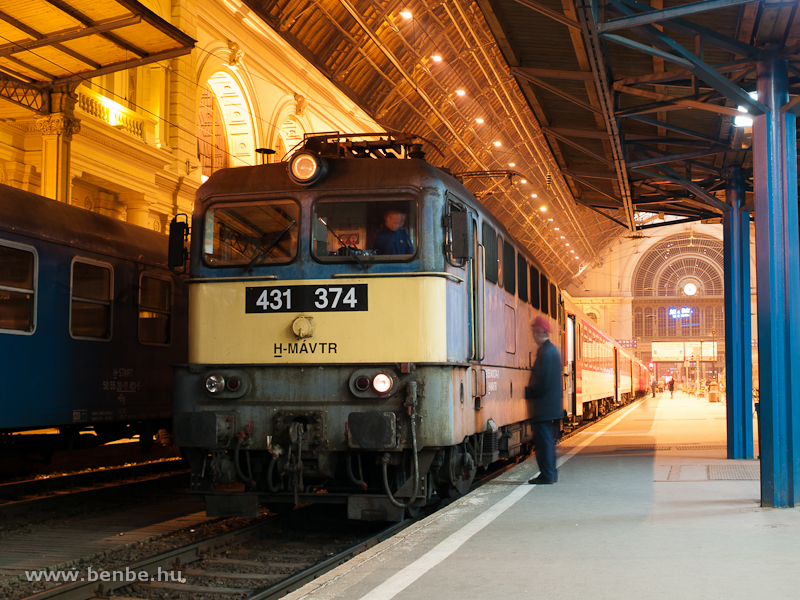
(17, 289)
(155, 310)
(91, 285)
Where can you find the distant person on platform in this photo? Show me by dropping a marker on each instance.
(393, 237)
(545, 391)
(671, 386)
(653, 385)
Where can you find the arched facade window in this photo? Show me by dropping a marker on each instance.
(649, 321)
(212, 147)
(671, 322)
(695, 330)
(638, 330)
(662, 321)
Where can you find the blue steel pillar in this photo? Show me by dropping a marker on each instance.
(738, 355)
(778, 281)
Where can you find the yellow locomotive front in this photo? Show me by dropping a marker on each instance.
(330, 335)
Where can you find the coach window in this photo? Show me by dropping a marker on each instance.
(17, 288)
(155, 310)
(553, 302)
(90, 311)
(544, 288)
(534, 287)
(500, 261)
(490, 248)
(509, 268)
(522, 272)
(251, 233)
(367, 230)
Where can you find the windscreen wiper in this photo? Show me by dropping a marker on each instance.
(347, 248)
(266, 250)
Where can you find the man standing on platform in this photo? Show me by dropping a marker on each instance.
(545, 390)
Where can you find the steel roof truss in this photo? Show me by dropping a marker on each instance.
(577, 146)
(672, 175)
(697, 66)
(677, 129)
(655, 16)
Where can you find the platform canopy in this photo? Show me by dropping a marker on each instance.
(48, 44)
(611, 116)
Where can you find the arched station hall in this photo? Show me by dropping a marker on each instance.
(643, 153)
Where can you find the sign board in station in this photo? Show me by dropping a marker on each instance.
(667, 351)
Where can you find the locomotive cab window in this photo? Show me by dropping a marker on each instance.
(522, 271)
(90, 301)
(544, 288)
(509, 268)
(370, 230)
(17, 289)
(155, 310)
(534, 287)
(251, 234)
(490, 245)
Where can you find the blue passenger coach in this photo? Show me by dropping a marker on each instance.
(91, 319)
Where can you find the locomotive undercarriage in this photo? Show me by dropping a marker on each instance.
(379, 457)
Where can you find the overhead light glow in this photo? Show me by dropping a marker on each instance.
(551, 220)
(543, 208)
(512, 164)
(534, 195)
(479, 120)
(436, 58)
(405, 14)
(744, 121)
(573, 251)
(562, 237)
(556, 228)
(567, 244)
(690, 289)
(523, 181)
(461, 92)
(498, 144)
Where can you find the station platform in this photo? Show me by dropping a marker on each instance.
(646, 506)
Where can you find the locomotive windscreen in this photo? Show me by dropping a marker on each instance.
(244, 234)
(375, 229)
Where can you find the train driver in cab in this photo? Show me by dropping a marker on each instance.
(393, 237)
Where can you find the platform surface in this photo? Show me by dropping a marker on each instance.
(647, 506)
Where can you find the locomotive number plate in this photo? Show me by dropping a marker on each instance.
(306, 298)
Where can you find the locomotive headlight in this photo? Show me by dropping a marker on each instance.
(306, 168)
(382, 383)
(215, 383)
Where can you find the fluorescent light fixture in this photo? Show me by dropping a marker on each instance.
(461, 92)
(523, 181)
(543, 208)
(479, 120)
(512, 164)
(405, 14)
(498, 144)
(436, 58)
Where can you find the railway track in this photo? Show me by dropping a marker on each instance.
(21, 497)
(262, 560)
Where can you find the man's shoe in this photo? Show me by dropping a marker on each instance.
(540, 481)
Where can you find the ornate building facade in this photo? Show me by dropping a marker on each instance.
(136, 144)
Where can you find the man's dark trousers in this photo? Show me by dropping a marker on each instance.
(544, 442)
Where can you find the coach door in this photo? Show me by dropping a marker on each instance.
(572, 395)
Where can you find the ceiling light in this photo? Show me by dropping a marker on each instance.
(405, 14)
(576, 258)
(479, 120)
(523, 181)
(551, 220)
(534, 195)
(543, 208)
(562, 237)
(557, 229)
(567, 244)
(512, 164)
(436, 58)
(573, 251)
(461, 92)
(498, 144)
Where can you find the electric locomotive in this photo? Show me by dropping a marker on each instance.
(91, 317)
(359, 332)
